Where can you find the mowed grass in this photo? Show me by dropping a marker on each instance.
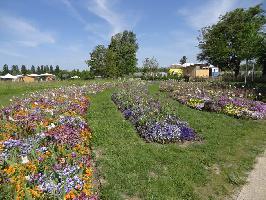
(130, 168)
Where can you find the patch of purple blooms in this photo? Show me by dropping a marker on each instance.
(237, 102)
(152, 120)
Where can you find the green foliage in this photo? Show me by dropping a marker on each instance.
(97, 61)
(183, 60)
(38, 70)
(23, 70)
(236, 37)
(262, 54)
(15, 70)
(150, 65)
(112, 69)
(57, 70)
(125, 47)
(5, 69)
(33, 70)
(118, 59)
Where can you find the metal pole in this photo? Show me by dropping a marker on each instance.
(253, 72)
(246, 71)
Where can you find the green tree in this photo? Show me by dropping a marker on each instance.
(5, 69)
(33, 71)
(23, 70)
(233, 39)
(15, 70)
(150, 65)
(97, 61)
(51, 69)
(57, 70)
(261, 56)
(39, 70)
(183, 60)
(112, 69)
(42, 69)
(86, 75)
(124, 46)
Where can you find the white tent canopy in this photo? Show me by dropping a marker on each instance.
(46, 74)
(33, 75)
(8, 76)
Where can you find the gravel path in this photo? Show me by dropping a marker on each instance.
(255, 189)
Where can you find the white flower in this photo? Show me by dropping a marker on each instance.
(10, 100)
(36, 103)
(27, 178)
(259, 93)
(24, 159)
(51, 126)
(42, 135)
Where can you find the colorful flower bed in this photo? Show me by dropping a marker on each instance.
(237, 102)
(153, 121)
(45, 145)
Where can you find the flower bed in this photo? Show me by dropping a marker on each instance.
(45, 145)
(237, 102)
(153, 121)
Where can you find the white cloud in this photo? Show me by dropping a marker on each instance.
(209, 12)
(72, 10)
(23, 32)
(104, 10)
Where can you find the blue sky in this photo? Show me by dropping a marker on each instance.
(63, 32)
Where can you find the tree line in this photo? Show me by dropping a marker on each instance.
(60, 73)
(15, 70)
(116, 60)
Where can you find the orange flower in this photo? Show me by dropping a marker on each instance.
(70, 195)
(88, 172)
(35, 192)
(10, 170)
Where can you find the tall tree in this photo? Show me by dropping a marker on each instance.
(23, 70)
(57, 70)
(124, 46)
(183, 60)
(97, 61)
(112, 69)
(233, 39)
(51, 69)
(262, 54)
(33, 71)
(15, 70)
(5, 69)
(42, 69)
(39, 71)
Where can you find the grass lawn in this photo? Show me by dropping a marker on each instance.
(131, 168)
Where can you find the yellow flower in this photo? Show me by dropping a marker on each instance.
(10, 170)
